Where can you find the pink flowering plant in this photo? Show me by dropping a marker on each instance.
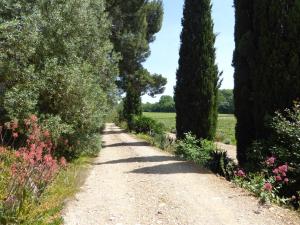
(32, 167)
(267, 183)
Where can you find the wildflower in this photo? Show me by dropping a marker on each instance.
(278, 178)
(15, 135)
(286, 180)
(2, 150)
(283, 168)
(17, 154)
(241, 173)
(276, 171)
(294, 197)
(270, 161)
(14, 125)
(63, 162)
(268, 186)
(46, 133)
(33, 118)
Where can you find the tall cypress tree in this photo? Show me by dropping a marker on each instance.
(267, 64)
(243, 61)
(197, 75)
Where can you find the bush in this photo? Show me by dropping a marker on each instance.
(147, 125)
(26, 173)
(268, 183)
(284, 143)
(221, 164)
(196, 150)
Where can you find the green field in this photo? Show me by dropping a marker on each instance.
(225, 128)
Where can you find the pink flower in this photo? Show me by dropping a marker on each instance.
(15, 135)
(14, 124)
(283, 168)
(17, 154)
(286, 180)
(2, 150)
(63, 162)
(268, 186)
(33, 118)
(278, 178)
(270, 161)
(240, 173)
(276, 171)
(46, 133)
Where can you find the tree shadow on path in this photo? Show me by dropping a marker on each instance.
(140, 159)
(171, 168)
(128, 144)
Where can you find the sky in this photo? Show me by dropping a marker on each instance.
(165, 50)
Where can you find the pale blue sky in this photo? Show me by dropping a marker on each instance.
(165, 50)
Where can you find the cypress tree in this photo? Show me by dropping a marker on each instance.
(243, 61)
(267, 64)
(197, 75)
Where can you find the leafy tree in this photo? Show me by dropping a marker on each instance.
(165, 104)
(58, 62)
(266, 62)
(197, 77)
(134, 25)
(225, 101)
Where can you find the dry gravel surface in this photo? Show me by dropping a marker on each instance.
(132, 183)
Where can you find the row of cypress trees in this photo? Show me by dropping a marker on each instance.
(266, 61)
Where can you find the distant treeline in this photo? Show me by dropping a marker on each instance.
(167, 104)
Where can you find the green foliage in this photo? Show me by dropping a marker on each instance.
(268, 183)
(197, 76)
(134, 25)
(194, 149)
(147, 125)
(165, 104)
(57, 61)
(284, 143)
(221, 164)
(266, 62)
(286, 136)
(225, 101)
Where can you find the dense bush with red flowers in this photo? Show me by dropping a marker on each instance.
(26, 171)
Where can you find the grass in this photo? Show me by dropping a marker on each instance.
(65, 185)
(225, 129)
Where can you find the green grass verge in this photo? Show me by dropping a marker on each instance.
(65, 185)
(225, 129)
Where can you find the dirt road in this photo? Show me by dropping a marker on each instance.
(132, 183)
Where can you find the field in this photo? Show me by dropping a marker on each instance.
(225, 128)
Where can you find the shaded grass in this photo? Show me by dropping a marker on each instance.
(225, 129)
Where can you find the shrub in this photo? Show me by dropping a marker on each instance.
(268, 183)
(196, 150)
(284, 143)
(221, 164)
(147, 125)
(26, 172)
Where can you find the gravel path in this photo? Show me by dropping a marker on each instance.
(132, 183)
